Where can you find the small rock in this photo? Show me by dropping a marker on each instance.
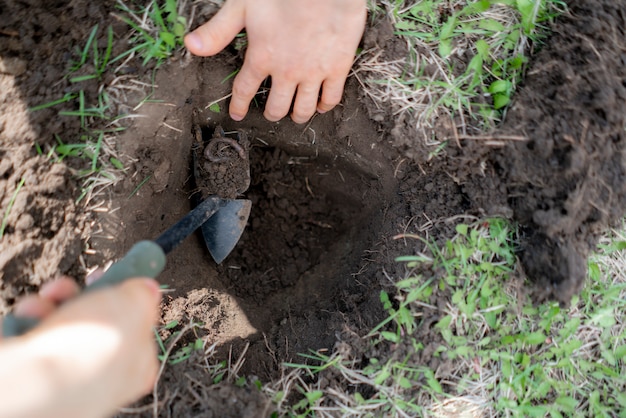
(25, 222)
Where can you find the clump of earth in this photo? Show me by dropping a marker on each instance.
(327, 197)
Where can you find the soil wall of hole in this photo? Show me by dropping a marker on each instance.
(319, 193)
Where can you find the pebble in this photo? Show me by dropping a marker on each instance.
(25, 222)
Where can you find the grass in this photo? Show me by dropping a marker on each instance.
(94, 142)
(157, 31)
(139, 186)
(464, 61)
(100, 57)
(7, 212)
(500, 355)
(167, 345)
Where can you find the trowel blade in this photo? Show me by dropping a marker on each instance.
(223, 230)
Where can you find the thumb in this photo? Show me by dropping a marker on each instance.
(216, 34)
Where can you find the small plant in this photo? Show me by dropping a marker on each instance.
(175, 356)
(159, 30)
(464, 60)
(99, 57)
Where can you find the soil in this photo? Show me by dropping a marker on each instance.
(565, 180)
(327, 197)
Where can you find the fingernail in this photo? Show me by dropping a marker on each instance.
(193, 41)
(321, 111)
(236, 117)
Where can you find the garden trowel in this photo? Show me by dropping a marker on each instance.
(147, 258)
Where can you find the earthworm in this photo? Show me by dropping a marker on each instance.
(233, 143)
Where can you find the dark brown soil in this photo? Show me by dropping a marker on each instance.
(327, 196)
(221, 164)
(565, 181)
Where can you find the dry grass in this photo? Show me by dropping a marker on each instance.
(422, 87)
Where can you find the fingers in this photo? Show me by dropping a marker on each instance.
(306, 101)
(296, 45)
(245, 87)
(99, 348)
(59, 290)
(94, 276)
(132, 308)
(216, 34)
(332, 90)
(279, 101)
(50, 295)
(34, 307)
(142, 295)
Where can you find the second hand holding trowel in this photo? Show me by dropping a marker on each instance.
(222, 221)
(147, 258)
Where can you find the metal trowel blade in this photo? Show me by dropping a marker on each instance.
(223, 230)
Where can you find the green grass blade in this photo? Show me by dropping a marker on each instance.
(85, 53)
(94, 159)
(80, 78)
(64, 99)
(5, 219)
(107, 52)
(139, 186)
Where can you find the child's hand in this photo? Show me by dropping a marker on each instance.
(87, 358)
(304, 45)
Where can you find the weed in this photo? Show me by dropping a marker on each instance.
(159, 30)
(92, 62)
(464, 61)
(139, 186)
(215, 107)
(68, 97)
(100, 57)
(5, 218)
(93, 142)
(166, 346)
(85, 113)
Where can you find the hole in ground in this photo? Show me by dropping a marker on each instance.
(312, 218)
(301, 209)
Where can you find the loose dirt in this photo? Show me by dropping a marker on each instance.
(328, 196)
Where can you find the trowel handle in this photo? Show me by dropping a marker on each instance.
(145, 259)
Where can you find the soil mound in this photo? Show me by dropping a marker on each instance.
(565, 180)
